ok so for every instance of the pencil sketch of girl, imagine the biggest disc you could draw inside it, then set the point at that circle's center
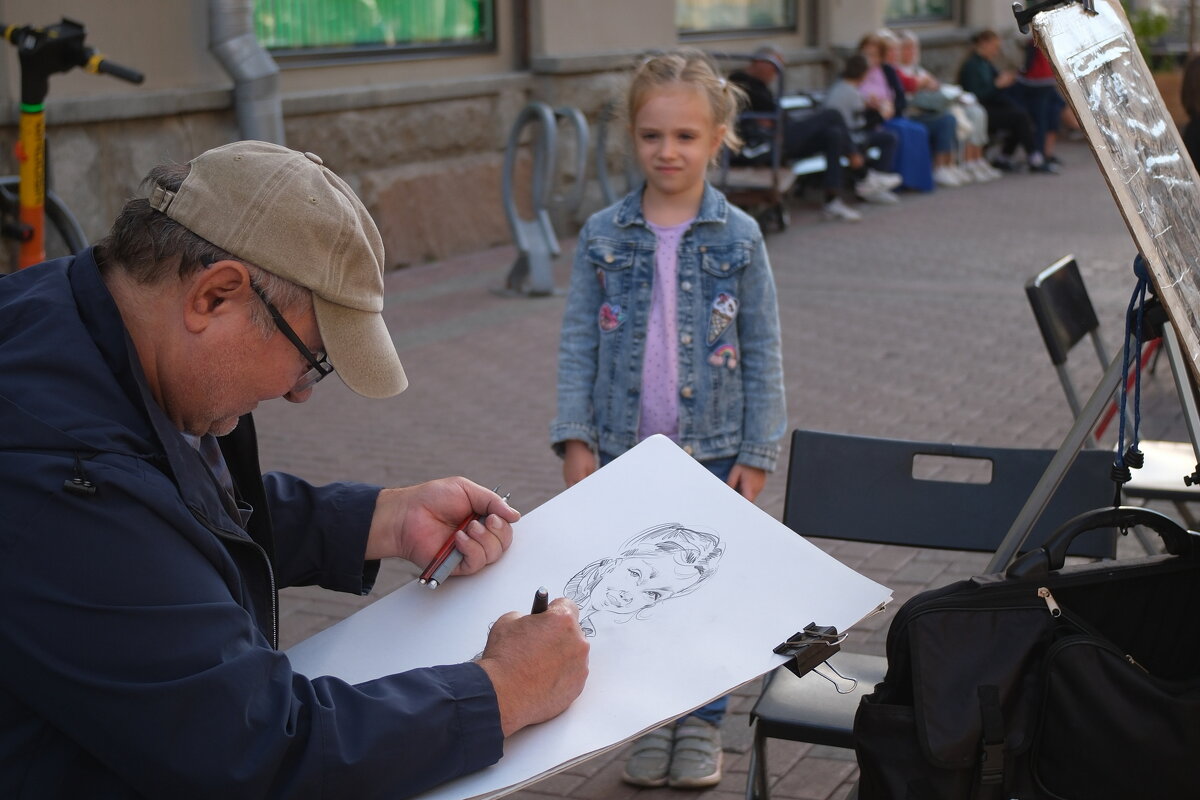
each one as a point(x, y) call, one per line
point(656, 565)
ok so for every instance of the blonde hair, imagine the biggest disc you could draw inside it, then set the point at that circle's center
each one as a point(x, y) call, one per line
point(696, 555)
point(689, 67)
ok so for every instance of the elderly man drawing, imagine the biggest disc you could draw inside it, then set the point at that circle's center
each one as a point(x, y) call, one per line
point(142, 549)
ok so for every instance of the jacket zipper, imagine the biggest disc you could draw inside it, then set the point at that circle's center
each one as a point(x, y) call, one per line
point(240, 540)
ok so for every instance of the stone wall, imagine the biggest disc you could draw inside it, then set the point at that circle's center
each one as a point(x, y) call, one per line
point(96, 167)
point(429, 172)
point(426, 160)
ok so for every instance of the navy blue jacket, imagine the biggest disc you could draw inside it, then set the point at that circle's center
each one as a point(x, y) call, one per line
point(138, 619)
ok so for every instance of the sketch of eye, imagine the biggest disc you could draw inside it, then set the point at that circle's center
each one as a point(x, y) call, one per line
point(612, 590)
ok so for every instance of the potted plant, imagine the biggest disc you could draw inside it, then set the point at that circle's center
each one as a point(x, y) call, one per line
point(1150, 25)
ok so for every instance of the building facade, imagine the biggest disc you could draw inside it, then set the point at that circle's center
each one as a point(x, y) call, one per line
point(416, 119)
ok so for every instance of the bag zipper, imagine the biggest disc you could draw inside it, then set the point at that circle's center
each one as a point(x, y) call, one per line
point(1019, 591)
point(1085, 628)
point(1051, 603)
point(1021, 598)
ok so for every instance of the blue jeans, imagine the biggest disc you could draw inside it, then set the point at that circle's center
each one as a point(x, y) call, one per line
point(886, 141)
point(943, 132)
point(1045, 106)
point(823, 131)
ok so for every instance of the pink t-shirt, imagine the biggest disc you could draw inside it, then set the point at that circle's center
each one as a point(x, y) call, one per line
point(875, 86)
point(660, 369)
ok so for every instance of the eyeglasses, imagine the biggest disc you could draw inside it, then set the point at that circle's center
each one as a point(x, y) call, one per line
point(319, 367)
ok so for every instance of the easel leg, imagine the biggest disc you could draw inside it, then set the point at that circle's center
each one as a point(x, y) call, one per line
point(1057, 470)
point(1185, 387)
point(1078, 436)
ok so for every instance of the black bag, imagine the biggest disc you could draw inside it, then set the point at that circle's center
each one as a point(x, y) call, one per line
point(1045, 682)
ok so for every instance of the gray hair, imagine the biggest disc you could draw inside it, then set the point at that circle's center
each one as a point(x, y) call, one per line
point(151, 247)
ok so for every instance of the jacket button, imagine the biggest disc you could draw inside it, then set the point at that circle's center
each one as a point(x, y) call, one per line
point(608, 258)
point(703, 248)
point(685, 338)
point(687, 448)
point(686, 391)
point(725, 268)
point(686, 286)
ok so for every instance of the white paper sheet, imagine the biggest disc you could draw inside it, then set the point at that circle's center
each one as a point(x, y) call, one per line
point(692, 646)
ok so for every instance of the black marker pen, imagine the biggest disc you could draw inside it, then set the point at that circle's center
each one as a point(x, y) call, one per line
point(541, 599)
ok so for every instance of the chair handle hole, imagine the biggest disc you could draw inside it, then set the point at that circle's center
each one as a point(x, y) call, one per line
point(951, 469)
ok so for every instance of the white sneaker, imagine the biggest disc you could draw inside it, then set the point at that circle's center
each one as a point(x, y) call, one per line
point(947, 176)
point(883, 180)
point(982, 170)
point(881, 197)
point(835, 209)
point(965, 175)
point(867, 187)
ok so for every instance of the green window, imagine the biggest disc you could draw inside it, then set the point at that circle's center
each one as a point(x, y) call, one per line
point(711, 16)
point(372, 26)
point(919, 10)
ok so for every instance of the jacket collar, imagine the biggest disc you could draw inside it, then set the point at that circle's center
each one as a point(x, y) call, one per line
point(99, 312)
point(713, 208)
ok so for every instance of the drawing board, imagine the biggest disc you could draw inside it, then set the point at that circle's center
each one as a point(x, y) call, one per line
point(1139, 149)
point(685, 588)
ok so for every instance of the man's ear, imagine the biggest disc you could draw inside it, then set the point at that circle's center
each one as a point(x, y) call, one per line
point(206, 300)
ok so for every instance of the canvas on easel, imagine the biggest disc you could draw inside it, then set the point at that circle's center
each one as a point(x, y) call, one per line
point(1139, 148)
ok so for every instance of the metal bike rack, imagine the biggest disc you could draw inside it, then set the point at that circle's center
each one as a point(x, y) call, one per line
point(536, 242)
point(574, 198)
point(611, 194)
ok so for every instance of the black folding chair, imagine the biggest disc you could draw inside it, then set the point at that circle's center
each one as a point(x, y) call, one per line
point(917, 494)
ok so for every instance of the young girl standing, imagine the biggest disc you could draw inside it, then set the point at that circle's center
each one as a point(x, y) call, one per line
point(671, 327)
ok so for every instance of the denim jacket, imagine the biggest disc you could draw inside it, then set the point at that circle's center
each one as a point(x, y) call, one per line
point(731, 397)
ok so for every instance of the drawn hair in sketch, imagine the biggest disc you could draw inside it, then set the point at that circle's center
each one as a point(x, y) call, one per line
point(656, 565)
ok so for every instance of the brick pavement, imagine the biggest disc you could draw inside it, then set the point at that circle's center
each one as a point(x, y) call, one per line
point(912, 324)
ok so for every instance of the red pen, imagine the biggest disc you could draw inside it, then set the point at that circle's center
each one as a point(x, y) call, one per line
point(447, 558)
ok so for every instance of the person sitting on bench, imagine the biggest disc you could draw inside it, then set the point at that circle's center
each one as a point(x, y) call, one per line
point(806, 133)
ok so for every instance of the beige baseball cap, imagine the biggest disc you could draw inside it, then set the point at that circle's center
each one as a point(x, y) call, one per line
point(287, 213)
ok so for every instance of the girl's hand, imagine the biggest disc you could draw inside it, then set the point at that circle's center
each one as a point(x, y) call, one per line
point(578, 462)
point(748, 481)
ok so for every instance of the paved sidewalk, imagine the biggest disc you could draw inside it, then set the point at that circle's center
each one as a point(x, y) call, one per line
point(912, 324)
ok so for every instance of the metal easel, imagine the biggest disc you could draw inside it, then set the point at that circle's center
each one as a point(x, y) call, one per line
point(1156, 321)
point(1086, 420)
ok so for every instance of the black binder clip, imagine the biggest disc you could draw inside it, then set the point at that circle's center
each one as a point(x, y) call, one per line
point(810, 647)
point(1025, 15)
